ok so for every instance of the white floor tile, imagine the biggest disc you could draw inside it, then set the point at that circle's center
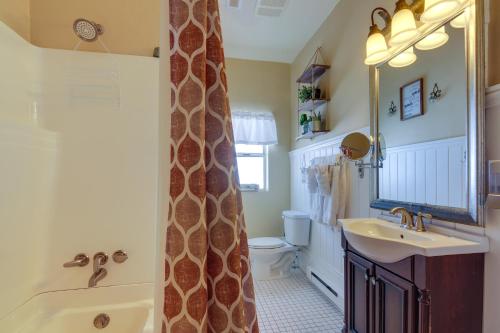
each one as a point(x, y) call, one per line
point(294, 305)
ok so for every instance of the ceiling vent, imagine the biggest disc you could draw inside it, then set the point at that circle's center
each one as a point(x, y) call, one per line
point(270, 8)
point(234, 4)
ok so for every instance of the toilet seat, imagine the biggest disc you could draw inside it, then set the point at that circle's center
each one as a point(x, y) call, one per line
point(266, 243)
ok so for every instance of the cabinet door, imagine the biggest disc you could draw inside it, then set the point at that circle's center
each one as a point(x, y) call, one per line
point(359, 311)
point(395, 303)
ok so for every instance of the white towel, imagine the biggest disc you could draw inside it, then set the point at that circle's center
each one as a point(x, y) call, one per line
point(324, 179)
point(312, 183)
point(316, 200)
point(336, 205)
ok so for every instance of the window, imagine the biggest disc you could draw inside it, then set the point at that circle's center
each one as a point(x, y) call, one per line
point(252, 166)
point(253, 132)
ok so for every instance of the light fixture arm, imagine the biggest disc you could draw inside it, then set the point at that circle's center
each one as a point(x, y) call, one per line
point(385, 15)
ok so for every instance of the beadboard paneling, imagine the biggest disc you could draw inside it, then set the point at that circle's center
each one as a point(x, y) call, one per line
point(324, 255)
point(432, 173)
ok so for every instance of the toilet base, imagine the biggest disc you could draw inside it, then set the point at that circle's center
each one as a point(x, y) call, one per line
point(265, 268)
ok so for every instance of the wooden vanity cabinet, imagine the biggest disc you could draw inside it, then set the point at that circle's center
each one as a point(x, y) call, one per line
point(416, 295)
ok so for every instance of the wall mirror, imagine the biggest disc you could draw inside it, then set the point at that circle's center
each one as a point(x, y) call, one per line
point(428, 105)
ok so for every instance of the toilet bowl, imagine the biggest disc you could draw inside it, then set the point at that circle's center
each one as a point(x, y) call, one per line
point(272, 257)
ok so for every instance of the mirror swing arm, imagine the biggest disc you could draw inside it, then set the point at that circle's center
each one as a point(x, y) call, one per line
point(374, 164)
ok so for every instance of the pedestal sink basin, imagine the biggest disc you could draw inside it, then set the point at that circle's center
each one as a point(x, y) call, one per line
point(387, 242)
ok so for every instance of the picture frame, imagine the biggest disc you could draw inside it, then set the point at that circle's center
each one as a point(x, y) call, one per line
point(412, 99)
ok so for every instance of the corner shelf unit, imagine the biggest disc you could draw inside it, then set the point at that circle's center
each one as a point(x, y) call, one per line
point(310, 77)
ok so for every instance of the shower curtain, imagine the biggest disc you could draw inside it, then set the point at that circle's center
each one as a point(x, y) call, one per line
point(208, 283)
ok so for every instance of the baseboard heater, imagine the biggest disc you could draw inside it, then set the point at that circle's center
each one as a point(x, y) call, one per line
point(330, 289)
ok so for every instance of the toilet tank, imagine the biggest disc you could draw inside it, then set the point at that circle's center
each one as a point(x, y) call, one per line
point(297, 226)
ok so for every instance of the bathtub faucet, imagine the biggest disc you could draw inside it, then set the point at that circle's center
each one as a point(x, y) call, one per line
point(100, 272)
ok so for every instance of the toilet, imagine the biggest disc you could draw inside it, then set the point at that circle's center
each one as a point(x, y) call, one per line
point(272, 257)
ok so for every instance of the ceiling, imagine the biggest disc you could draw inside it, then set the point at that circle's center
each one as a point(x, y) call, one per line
point(280, 39)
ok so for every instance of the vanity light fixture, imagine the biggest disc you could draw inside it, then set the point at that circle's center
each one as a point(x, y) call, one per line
point(405, 58)
point(376, 46)
point(461, 21)
point(434, 40)
point(404, 26)
point(436, 10)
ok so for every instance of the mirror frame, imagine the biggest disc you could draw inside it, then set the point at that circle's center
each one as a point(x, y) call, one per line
point(475, 62)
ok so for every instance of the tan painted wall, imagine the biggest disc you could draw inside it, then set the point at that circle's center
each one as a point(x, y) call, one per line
point(494, 43)
point(256, 85)
point(131, 26)
point(444, 119)
point(342, 39)
point(16, 14)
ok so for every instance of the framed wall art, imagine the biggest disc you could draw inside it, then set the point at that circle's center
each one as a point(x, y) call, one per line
point(412, 99)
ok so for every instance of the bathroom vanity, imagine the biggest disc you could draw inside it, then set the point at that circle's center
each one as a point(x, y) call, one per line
point(415, 295)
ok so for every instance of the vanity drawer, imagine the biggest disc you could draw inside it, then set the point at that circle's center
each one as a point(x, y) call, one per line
point(403, 268)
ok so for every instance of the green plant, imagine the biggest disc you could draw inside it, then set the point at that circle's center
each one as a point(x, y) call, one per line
point(305, 93)
point(304, 119)
point(316, 116)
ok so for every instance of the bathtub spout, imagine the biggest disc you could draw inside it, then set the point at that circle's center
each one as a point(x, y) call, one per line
point(97, 276)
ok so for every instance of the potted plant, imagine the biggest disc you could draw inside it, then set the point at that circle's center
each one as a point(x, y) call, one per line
point(305, 94)
point(304, 122)
point(316, 122)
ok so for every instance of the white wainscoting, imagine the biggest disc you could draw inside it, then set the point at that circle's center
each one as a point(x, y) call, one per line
point(433, 172)
point(324, 255)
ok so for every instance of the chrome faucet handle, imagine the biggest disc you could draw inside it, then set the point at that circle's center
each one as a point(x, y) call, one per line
point(80, 260)
point(420, 227)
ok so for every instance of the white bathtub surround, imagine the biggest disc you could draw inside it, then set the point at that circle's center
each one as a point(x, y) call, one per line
point(79, 167)
point(130, 309)
point(294, 305)
point(324, 255)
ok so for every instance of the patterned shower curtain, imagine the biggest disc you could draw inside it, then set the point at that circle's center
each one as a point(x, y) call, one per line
point(208, 283)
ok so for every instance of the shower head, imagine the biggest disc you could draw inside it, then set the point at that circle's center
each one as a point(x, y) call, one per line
point(86, 30)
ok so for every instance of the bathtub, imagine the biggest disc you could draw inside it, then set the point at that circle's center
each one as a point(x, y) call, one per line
point(129, 307)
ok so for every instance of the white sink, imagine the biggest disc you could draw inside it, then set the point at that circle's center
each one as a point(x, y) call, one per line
point(387, 242)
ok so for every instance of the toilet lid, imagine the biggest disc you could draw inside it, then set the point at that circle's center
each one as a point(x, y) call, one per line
point(266, 243)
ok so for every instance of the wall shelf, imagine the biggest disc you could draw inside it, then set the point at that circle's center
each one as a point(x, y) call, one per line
point(312, 73)
point(312, 104)
point(311, 135)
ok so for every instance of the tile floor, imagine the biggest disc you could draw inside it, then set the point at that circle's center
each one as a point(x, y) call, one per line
point(294, 305)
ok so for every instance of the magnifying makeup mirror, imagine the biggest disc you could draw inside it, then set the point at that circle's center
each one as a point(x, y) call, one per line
point(355, 146)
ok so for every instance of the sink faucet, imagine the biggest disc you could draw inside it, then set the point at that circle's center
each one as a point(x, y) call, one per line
point(420, 227)
point(406, 217)
point(100, 273)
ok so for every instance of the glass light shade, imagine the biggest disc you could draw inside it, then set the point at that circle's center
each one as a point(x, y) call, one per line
point(433, 41)
point(436, 10)
point(403, 27)
point(376, 49)
point(461, 21)
point(406, 58)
